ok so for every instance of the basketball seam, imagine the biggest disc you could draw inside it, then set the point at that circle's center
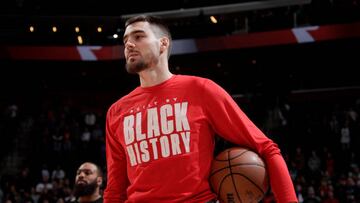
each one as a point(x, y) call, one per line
point(242, 164)
point(224, 178)
point(232, 179)
point(249, 179)
point(232, 157)
point(220, 185)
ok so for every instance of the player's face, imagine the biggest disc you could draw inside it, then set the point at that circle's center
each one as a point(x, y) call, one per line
point(142, 47)
point(87, 180)
point(85, 174)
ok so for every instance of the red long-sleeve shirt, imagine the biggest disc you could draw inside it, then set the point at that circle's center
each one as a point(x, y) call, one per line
point(160, 143)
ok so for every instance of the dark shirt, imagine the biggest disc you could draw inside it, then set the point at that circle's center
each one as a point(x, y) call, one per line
point(100, 200)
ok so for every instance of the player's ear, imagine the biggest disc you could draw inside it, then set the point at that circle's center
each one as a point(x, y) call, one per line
point(99, 181)
point(164, 44)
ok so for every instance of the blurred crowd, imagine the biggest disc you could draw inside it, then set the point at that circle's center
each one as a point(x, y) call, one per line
point(318, 142)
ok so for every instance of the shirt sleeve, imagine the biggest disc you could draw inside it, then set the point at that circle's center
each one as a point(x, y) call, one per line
point(117, 181)
point(231, 123)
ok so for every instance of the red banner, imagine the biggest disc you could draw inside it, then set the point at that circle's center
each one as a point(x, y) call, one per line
point(307, 34)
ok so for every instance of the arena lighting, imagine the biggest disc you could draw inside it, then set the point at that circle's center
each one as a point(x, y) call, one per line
point(222, 9)
point(54, 29)
point(80, 39)
point(213, 19)
point(31, 28)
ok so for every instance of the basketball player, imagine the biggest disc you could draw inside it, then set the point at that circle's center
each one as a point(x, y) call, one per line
point(88, 181)
point(160, 137)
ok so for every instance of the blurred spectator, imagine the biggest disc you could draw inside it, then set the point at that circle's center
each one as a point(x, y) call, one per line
point(45, 185)
point(13, 110)
point(345, 137)
point(88, 183)
point(299, 192)
point(330, 198)
point(90, 119)
point(58, 173)
point(311, 197)
point(299, 159)
point(314, 164)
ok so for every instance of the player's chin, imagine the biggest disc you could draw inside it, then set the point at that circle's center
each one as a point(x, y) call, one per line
point(131, 64)
point(132, 68)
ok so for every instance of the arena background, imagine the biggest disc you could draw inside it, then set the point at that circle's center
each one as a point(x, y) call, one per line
point(305, 95)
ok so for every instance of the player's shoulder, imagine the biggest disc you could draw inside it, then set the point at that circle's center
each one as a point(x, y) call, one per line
point(116, 106)
point(191, 79)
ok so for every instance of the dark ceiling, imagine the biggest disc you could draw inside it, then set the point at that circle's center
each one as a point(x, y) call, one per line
point(17, 15)
point(101, 7)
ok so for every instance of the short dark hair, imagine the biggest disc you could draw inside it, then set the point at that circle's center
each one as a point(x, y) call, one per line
point(99, 170)
point(153, 20)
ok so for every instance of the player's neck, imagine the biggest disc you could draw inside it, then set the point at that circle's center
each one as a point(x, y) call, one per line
point(90, 198)
point(155, 76)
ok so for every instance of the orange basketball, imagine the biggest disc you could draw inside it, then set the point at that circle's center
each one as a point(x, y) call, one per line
point(239, 175)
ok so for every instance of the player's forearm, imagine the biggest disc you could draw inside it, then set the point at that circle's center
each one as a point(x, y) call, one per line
point(280, 180)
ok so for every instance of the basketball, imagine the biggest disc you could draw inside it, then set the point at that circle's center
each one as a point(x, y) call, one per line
point(239, 175)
